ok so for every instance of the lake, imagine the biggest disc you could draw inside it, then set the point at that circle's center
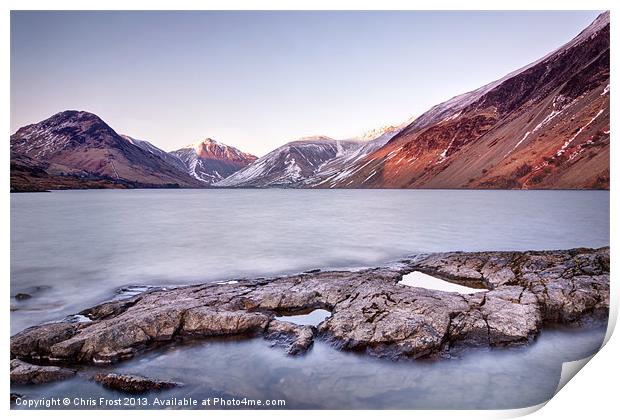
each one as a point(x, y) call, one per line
point(73, 249)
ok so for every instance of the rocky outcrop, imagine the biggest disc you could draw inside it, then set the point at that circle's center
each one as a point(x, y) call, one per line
point(15, 397)
point(370, 310)
point(568, 285)
point(28, 374)
point(297, 339)
point(133, 384)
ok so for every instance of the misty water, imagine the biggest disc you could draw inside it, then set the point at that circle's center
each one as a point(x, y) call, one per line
point(73, 249)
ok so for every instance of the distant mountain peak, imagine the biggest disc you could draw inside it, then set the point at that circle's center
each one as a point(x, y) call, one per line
point(377, 132)
point(599, 23)
point(198, 145)
point(213, 149)
point(210, 161)
point(314, 138)
point(290, 163)
point(72, 113)
point(73, 145)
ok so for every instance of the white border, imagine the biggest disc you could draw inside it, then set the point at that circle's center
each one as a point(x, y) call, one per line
point(592, 395)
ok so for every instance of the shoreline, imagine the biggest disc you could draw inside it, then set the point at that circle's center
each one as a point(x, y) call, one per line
point(213, 188)
point(370, 312)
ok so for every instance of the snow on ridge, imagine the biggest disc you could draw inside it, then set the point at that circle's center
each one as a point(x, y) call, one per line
point(442, 110)
point(568, 142)
point(606, 90)
point(304, 148)
point(559, 106)
point(444, 155)
point(292, 171)
point(376, 133)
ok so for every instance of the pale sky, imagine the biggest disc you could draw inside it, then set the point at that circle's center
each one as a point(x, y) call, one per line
point(255, 80)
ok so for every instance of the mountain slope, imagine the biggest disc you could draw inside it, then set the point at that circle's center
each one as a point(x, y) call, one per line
point(343, 165)
point(543, 126)
point(76, 148)
point(290, 164)
point(151, 148)
point(210, 161)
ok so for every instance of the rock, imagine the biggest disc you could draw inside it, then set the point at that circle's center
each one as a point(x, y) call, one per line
point(26, 373)
point(206, 322)
point(297, 339)
point(568, 285)
point(15, 397)
point(371, 312)
point(29, 292)
point(512, 314)
point(34, 342)
point(133, 384)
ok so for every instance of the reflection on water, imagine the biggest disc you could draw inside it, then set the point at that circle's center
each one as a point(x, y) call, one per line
point(82, 245)
point(328, 378)
point(419, 279)
point(314, 317)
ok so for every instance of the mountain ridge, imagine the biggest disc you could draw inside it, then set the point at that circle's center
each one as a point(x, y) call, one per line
point(543, 126)
point(211, 161)
point(77, 149)
point(72, 146)
point(507, 134)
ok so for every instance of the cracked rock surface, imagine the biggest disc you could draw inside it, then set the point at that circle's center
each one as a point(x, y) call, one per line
point(371, 312)
point(133, 384)
point(26, 373)
point(297, 339)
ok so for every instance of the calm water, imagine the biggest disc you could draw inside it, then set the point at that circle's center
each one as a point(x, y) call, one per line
point(73, 249)
point(327, 378)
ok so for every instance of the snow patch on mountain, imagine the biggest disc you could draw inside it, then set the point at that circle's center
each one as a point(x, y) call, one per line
point(210, 161)
point(291, 163)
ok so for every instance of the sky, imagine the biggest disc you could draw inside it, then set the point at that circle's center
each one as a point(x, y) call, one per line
point(256, 80)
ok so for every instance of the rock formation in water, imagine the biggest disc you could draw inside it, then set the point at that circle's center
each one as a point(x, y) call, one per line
point(29, 374)
point(133, 384)
point(370, 311)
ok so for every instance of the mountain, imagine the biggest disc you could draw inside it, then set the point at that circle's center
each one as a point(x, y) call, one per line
point(342, 166)
point(291, 164)
point(76, 149)
point(543, 126)
point(210, 161)
point(151, 148)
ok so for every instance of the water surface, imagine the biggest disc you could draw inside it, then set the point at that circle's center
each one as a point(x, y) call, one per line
point(330, 379)
point(73, 249)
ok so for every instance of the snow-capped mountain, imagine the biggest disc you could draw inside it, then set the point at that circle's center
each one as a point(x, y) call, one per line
point(291, 164)
point(210, 161)
point(76, 149)
point(340, 166)
point(543, 126)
